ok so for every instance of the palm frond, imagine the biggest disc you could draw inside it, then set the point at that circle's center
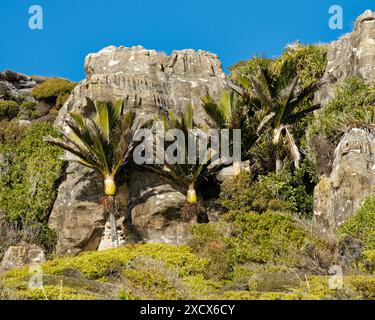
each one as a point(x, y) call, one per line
point(103, 118)
point(292, 147)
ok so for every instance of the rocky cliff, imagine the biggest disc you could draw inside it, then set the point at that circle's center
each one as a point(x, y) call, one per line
point(339, 194)
point(150, 83)
point(353, 55)
point(352, 178)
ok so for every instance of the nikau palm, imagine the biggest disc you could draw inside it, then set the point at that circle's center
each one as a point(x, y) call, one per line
point(184, 174)
point(232, 112)
point(282, 100)
point(103, 144)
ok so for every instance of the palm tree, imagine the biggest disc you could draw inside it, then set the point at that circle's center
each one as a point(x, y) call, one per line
point(284, 101)
point(103, 144)
point(186, 175)
point(234, 110)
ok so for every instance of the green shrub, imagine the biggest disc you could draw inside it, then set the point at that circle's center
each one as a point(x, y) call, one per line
point(275, 192)
point(352, 106)
point(28, 111)
point(150, 271)
point(8, 109)
point(274, 238)
point(11, 132)
point(207, 240)
point(54, 91)
point(362, 225)
point(311, 62)
point(29, 171)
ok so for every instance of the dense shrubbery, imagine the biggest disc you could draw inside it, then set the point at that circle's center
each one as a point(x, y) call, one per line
point(54, 91)
point(28, 111)
point(28, 173)
point(362, 225)
point(352, 106)
point(311, 60)
point(8, 110)
point(277, 192)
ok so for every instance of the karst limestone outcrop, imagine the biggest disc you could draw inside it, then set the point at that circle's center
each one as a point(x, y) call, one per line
point(149, 82)
point(352, 178)
point(353, 55)
point(339, 194)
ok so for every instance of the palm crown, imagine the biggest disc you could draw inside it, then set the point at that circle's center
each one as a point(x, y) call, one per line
point(184, 173)
point(282, 101)
point(103, 143)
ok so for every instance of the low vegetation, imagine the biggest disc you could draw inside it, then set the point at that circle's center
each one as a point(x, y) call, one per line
point(29, 171)
point(54, 91)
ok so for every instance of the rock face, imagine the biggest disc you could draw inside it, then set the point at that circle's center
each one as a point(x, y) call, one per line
point(19, 256)
point(77, 215)
point(150, 83)
point(16, 84)
point(353, 55)
point(341, 192)
point(338, 196)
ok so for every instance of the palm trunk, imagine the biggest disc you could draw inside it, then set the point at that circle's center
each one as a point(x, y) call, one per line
point(115, 240)
point(237, 167)
point(110, 207)
point(191, 195)
point(279, 162)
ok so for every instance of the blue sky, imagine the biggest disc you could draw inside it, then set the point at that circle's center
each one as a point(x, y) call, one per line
point(235, 29)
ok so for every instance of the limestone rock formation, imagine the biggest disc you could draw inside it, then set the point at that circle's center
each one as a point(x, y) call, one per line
point(353, 55)
point(77, 215)
point(16, 84)
point(18, 256)
point(338, 196)
point(149, 82)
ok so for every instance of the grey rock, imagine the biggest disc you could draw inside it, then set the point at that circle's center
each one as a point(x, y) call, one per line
point(18, 256)
point(338, 196)
point(353, 55)
point(77, 215)
point(150, 83)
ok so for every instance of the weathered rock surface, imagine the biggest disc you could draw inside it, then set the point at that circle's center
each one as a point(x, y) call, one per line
point(353, 55)
point(338, 196)
point(77, 215)
point(150, 83)
point(18, 256)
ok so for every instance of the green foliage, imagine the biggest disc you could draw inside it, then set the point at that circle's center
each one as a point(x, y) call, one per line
point(28, 174)
point(311, 63)
point(28, 111)
point(352, 106)
point(99, 265)
point(160, 271)
point(8, 109)
point(208, 241)
point(275, 191)
point(54, 91)
point(362, 225)
point(11, 132)
point(103, 143)
point(151, 271)
point(271, 237)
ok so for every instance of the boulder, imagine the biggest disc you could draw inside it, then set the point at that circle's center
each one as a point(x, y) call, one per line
point(77, 215)
point(353, 55)
point(338, 196)
point(150, 83)
point(18, 256)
